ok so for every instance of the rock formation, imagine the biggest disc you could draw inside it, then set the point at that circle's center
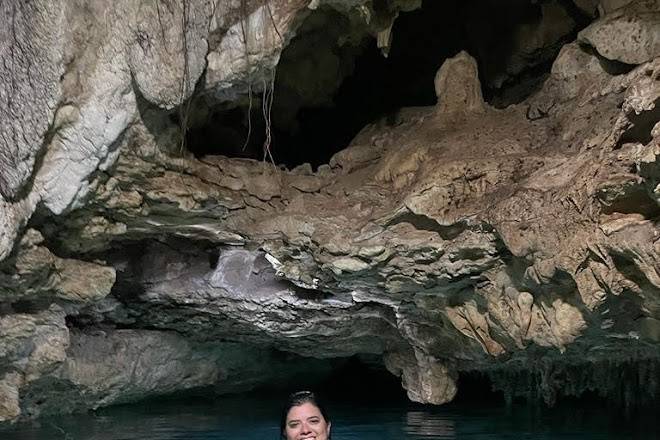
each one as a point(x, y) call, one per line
point(519, 242)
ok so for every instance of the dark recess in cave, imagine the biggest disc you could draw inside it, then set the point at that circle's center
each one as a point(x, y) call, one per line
point(311, 128)
point(476, 387)
point(641, 125)
point(360, 381)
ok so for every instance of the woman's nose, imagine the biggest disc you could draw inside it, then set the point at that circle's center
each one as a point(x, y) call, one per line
point(305, 428)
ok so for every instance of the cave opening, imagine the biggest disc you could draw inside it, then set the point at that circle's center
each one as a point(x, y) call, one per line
point(333, 79)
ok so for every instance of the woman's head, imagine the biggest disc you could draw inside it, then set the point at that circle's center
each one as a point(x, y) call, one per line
point(304, 417)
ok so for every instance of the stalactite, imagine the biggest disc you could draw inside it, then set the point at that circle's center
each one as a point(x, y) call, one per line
point(629, 383)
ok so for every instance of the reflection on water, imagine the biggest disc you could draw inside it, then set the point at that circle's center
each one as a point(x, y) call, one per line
point(428, 425)
point(256, 418)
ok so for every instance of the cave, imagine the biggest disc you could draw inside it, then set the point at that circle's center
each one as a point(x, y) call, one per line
point(332, 79)
point(441, 216)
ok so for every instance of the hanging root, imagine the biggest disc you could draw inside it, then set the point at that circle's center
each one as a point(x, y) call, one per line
point(184, 108)
point(266, 107)
point(244, 33)
point(269, 90)
point(268, 82)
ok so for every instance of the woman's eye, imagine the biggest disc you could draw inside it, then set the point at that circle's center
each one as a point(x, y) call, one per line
point(314, 421)
point(293, 424)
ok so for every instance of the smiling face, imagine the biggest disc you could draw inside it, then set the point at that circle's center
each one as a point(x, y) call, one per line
point(305, 421)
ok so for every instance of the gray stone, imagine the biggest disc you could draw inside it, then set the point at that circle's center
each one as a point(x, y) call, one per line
point(164, 71)
point(9, 397)
point(32, 42)
point(630, 34)
point(39, 275)
point(34, 344)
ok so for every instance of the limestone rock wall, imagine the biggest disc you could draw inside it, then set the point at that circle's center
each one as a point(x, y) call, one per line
point(32, 38)
point(461, 238)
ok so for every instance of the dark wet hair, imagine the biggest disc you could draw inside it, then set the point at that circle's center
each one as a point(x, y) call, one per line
point(296, 399)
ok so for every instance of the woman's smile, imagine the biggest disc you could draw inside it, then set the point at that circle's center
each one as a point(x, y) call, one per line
point(305, 422)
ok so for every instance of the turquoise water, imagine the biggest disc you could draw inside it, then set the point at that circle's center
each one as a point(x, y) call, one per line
point(256, 418)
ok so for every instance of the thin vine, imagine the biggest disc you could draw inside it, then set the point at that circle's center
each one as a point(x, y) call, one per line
point(244, 24)
point(267, 83)
point(269, 90)
point(184, 108)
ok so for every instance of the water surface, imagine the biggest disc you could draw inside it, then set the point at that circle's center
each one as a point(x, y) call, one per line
point(257, 418)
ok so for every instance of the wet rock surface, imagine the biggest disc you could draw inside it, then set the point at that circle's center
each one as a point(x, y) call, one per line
point(458, 238)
